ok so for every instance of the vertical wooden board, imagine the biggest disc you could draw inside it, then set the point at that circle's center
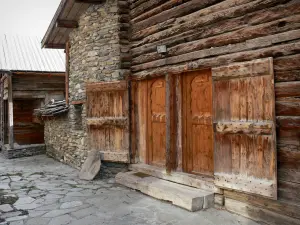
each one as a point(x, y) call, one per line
point(250, 99)
point(253, 150)
point(236, 153)
point(170, 122)
point(222, 100)
point(142, 117)
point(235, 100)
point(269, 98)
point(258, 94)
point(179, 138)
point(197, 120)
point(157, 121)
point(243, 89)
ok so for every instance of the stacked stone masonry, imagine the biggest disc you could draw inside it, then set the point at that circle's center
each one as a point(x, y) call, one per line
point(95, 55)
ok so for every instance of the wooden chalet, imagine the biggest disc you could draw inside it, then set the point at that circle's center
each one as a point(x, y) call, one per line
point(208, 96)
point(30, 77)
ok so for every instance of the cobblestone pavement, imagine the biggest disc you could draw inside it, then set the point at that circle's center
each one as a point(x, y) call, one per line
point(39, 190)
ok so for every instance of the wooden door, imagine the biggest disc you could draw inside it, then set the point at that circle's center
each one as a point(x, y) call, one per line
point(244, 124)
point(107, 120)
point(156, 134)
point(197, 123)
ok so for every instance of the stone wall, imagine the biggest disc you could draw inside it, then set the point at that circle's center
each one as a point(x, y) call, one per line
point(23, 151)
point(95, 55)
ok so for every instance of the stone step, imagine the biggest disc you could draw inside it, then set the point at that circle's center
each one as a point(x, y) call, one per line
point(201, 182)
point(189, 198)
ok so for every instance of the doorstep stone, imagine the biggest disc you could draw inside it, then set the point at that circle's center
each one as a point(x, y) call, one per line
point(189, 198)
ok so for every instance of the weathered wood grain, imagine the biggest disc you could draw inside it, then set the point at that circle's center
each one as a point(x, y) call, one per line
point(175, 12)
point(232, 37)
point(281, 207)
point(182, 25)
point(262, 42)
point(287, 89)
point(277, 50)
point(170, 123)
point(106, 86)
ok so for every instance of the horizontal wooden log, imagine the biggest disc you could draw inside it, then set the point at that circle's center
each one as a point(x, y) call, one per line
point(287, 138)
point(287, 75)
point(150, 13)
point(90, 1)
point(29, 94)
point(287, 62)
point(67, 23)
point(175, 12)
point(280, 207)
point(288, 122)
point(289, 165)
point(238, 36)
point(243, 128)
point(115, 156)
point(56, 46)
point(107, 121)
point(288, 107)
point(222, 26)
point(106, 86)
point(184, 19)
point(135, 3)
point(278, 50)
point(287, 89)
point(261, 42)
point(246, 184)
point(134, 12)
point(258, 67)
point(258, 214)
point(289, 191)
point(183, 24)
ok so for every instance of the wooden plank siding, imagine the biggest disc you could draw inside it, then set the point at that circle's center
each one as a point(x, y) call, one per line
point(218, 33)
point(31, 91)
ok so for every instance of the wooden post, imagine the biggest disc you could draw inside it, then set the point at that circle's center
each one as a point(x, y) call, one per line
point(170, 123)
point(67, 71)
point(179, 132)
point(2, 114)
point(10, 113)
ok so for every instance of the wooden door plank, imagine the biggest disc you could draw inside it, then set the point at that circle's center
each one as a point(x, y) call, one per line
point(170, 123)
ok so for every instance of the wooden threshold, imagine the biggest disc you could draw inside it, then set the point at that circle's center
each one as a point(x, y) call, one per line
point(201, 182)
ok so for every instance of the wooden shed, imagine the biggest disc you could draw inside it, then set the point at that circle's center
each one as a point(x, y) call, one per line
point(209, 99)
point(30, 77)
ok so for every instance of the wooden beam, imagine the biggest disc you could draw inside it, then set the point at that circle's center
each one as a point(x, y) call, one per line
point(49, 74)
point(67, 24)
point(10, 113)
point(90, 1)
point(67, 72)
point(57, 46)
point(170, 123)
point(107, 86)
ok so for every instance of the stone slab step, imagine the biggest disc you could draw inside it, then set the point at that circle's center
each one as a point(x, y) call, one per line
point(201, 182)
point(189, 198)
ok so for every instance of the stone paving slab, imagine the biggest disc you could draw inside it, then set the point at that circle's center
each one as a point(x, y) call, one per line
point(41, 191)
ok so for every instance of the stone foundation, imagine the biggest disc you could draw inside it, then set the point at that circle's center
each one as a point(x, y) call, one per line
point(23, 151)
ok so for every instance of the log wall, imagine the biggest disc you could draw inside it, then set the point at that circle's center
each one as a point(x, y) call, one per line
point(208, 33)
point(31, 91)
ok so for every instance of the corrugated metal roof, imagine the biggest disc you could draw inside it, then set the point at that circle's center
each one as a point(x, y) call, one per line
point(19, 53)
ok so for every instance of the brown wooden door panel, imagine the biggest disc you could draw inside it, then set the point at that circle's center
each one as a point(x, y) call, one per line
point(157, 122)
point(107, 120)
point(197, 123)
point(244, 125)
